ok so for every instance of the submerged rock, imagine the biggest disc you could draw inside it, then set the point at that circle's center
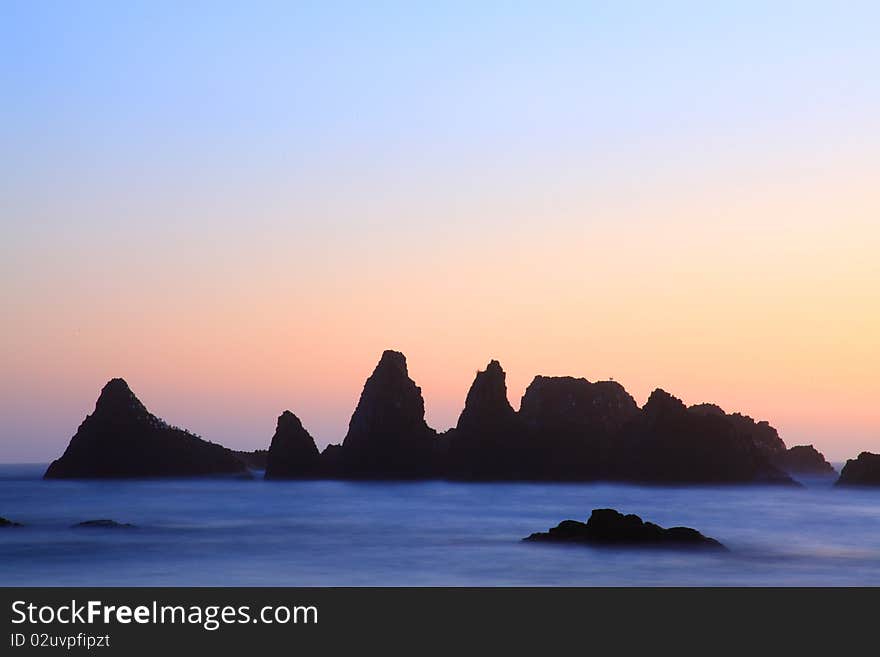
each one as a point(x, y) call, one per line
point(102, 524)
point(292, 453)
point(862, 471)
point(4, 522)
point(121, 438)
point(610, 527)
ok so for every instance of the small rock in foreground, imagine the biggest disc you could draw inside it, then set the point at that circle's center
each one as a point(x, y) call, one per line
point(609, 527)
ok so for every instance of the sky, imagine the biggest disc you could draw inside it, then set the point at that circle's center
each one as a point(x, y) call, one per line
point(237, 206)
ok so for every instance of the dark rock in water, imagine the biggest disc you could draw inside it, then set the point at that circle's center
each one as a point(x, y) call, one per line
point(330, 461)
point(486, 406)
point(102, 524)
point(489, 441)
point(572, 423)
point(762, 436)
point(572, 429)
point(862, 471)
point(387, 435)
point(804, 460)
point(121, 438)
point(669, 443)
point(609, 527)
point(292, 453)
point(256, 460)
point(8, 523)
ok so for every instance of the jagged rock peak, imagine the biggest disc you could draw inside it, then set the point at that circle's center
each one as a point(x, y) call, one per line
point(661, 402)
point(288, 420)
point(707, 409)
point(393, 359)
point(116, 384)
point(292, 452)
point(487, 397)
point(123, 439)
point(391, 370)
point(494, 368)
point(390, 412)
point(861, 471)
point(117, 395)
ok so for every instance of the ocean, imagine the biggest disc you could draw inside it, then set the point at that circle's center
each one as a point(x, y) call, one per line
point(231, 532)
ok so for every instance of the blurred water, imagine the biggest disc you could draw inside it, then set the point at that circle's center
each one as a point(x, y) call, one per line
point(225, 532)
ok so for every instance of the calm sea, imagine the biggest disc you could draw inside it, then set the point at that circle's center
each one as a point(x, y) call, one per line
point(219, 532)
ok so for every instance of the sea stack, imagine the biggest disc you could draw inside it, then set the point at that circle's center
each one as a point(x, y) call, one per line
point(489, 441)
point(804, 460)
point(572, 424)
point(388, 437)
point(292, 453)
point(671, 443)
point(862, 471)
point(122, 439)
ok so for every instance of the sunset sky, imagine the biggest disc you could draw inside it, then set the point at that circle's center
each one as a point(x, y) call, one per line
point(238, 207)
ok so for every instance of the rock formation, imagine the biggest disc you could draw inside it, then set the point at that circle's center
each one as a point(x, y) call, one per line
point(8, 523)
point(567, 429)
point(387, 435)
point(292, 453)
point(330, 462)
point(572, 424)
point(121, 438)
point(607, 527)
point(862, 471)
point(667, 442)
point(803, 460)
point(255, 460)
point(104, 523)
point(764, 437)
point(489, 441)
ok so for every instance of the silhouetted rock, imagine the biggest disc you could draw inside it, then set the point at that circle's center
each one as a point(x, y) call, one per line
point(387, 435)
point(669, 443)
point(566, 429)
point(486, 406)
point(8, 523)
point(804, 460)
point(256, 460)
point(862, 471)
point(571, 424)
point(330, 462)
point(489, 441)
point(121, 438)
point(292, 453)
point(607, 527)
point(764, 437)
point(102, 524)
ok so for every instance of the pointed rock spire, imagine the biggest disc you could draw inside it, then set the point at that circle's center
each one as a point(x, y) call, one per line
point(292, 452)
point(486, 403)
point(121, 438)
point(387, 435)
